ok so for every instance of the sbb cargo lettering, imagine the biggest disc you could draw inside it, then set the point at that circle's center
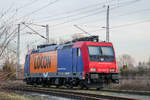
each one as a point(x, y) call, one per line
point(42, 62)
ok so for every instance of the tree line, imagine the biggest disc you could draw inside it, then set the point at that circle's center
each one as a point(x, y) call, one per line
point(127, 67)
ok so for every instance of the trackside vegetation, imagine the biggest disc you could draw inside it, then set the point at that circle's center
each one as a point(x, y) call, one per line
point(14, 96)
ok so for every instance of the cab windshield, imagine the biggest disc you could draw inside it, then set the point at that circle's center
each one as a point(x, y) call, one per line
point(101, 53)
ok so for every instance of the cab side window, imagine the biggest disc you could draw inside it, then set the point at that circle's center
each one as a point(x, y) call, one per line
point(78, 52)
point(26, 58)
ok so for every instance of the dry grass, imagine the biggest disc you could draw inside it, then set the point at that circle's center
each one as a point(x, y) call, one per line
point(134, 84)
point(14, 96)
point(7, 81)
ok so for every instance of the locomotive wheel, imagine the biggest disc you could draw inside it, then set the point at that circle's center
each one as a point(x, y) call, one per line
point(48, 85)
point(43, 85)
point(99, 88)
point(86, 88)
point(57, 86)
point(34, 85)
point(69, 86)
point(81, 85)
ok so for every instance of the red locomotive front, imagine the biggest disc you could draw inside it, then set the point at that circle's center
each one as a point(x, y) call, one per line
point(99, 62)
point(101, 58)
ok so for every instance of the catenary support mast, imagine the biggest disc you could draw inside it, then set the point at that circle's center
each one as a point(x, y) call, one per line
point(47, 34)
point(107, 25)
point(18, 53)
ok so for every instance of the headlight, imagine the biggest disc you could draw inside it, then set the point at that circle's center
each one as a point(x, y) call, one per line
point(112, 70)
point(93, 69)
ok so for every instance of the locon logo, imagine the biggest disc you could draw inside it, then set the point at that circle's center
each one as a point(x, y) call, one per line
point(42, 62)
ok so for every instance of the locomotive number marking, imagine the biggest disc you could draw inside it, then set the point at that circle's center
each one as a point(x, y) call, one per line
point(42, 62)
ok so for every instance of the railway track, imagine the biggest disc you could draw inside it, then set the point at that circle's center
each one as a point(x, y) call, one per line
point(145, 93)
point(70, 94)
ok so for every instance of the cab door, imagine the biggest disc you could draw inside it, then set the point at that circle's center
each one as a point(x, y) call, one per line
point(74, 59)
point(77, 60)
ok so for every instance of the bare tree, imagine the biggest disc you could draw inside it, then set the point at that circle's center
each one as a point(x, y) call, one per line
point(7, 34)
point(126, 60)
point(148, 63)
point(7, 31)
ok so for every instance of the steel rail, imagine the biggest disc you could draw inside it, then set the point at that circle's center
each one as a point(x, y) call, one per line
point(71, 94)
point(147, 93)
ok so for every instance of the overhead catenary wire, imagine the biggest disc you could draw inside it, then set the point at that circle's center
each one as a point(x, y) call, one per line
point(33, 12)
point(133, 23)
point(82, 10)
point(28, 4)
point(123, 14)
point(16, 10)
point(20, 19)
point(82, 30)
point(134, 0)
point(124, 25)
point(23, 6)
point(95, 13)
point(11, 19)
point(34, 31)
point(79, 18)
point(36, 24)
point(85, 11)
point(72, 15)
point(37, 10)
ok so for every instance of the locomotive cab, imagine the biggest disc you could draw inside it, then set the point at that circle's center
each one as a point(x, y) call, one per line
point(99, 63)
point(102, 64)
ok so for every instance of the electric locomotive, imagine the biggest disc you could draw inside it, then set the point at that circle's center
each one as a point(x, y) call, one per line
point(83, 62)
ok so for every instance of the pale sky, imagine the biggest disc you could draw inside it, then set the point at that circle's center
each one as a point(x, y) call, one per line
point(129, 22)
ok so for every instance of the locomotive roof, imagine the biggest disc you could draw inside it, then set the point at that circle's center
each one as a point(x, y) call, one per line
point(51, 48)
point(73, 45)
point(78, 43)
